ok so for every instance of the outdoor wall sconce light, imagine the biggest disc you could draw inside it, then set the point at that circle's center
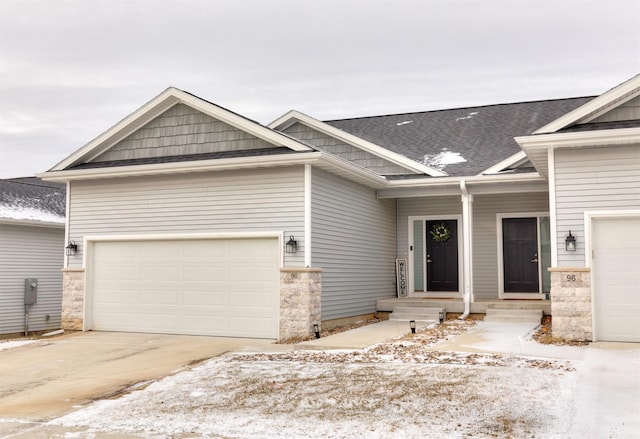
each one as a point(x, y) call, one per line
point(441, 315)
point(412, 325)
point(570, 242)
point(72, 248)
point(316, 329)
point(291, 246)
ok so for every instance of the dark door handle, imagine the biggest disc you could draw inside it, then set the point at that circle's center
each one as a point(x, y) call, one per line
point(535, 258)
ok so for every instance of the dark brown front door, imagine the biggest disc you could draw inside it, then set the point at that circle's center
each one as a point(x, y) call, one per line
point(520, 255)
point(442, 255)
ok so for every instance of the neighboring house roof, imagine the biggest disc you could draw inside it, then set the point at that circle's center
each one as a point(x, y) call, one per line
point(461, 141)
point(31, 199)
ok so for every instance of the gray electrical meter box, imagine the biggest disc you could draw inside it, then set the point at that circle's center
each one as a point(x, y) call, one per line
point(30, 291)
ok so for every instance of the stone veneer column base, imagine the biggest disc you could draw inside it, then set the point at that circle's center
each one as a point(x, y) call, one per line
point(571, 303)
point(72, 298)
point(300, 290)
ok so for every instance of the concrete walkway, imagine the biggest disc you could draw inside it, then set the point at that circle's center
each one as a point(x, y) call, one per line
point(362, 337)
point(48, 378)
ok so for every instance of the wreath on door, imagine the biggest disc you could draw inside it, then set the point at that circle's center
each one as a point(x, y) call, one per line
point(440, 232)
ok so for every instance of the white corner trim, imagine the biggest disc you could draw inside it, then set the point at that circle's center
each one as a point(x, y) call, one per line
point(398, 159)
point(596, 107)
point(551, 160)
point(308, 174)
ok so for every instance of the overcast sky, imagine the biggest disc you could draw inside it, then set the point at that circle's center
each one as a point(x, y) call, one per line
point(69, 70)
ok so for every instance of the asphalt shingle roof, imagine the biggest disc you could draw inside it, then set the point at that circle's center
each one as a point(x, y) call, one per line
point(30, 198)
point(461, 141)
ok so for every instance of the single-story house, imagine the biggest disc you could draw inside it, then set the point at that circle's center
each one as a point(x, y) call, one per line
point(192, 219)
point(32, 228)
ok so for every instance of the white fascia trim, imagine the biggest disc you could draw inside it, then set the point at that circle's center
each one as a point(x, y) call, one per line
point(477, 179)
point(165, 100)
point(580, 139)
point(506, 163)
point(32, 223)
point(181, 167)
point(398, 159)
point(597, 106)
point(371, 177)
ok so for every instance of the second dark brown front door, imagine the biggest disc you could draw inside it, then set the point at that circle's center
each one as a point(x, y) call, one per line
point(520, 254)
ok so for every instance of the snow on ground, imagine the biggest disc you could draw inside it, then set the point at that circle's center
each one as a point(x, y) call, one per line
point(397, 389)
point(10, 344)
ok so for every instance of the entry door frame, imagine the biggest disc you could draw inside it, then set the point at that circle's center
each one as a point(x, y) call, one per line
point(501, 293)
point(461, 268)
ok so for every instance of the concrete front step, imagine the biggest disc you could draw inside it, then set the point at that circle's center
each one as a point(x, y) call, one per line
point(416, 313)
point(513, 315)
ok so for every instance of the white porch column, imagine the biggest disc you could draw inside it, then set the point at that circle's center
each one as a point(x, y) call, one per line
point(467, 244)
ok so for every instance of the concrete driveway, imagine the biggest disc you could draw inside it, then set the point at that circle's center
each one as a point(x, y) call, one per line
point(46, 379)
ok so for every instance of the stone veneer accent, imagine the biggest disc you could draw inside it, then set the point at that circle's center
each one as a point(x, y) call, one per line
point(571, 303)
point(72, 298)
point(299, 301)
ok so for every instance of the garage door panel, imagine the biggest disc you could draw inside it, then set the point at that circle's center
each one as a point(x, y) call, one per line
point(204, 299)
point(226, 287)
point(616, 276)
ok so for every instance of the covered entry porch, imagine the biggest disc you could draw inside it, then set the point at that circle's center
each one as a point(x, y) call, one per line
point(456, 305)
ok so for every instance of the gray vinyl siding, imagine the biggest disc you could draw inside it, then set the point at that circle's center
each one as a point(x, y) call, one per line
point(178, 131)
point(343, 150)
point(630, 110)
point(485, 237)
point(258, 200)
point(30, 252)
point(353, 235)
point(592, 179)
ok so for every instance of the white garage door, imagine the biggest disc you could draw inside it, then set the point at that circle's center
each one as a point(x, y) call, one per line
point(220, 287)
point(616, 276)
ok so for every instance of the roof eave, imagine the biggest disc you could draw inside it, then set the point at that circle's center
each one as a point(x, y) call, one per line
point(596, 107)
point(537, 146)
point(33, 223)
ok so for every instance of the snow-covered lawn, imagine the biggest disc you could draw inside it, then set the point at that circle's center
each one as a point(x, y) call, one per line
point(397, 389)
point(10, 344)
